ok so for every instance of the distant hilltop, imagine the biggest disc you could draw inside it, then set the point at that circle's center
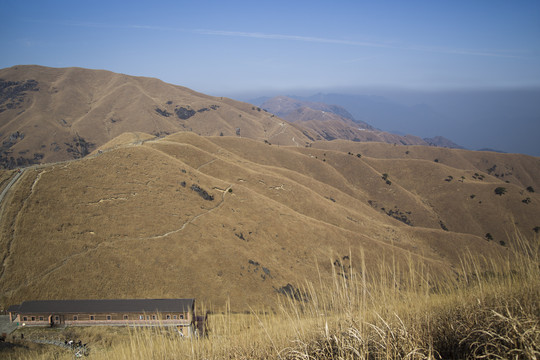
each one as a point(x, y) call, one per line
point(332, 122)
point(52, 114)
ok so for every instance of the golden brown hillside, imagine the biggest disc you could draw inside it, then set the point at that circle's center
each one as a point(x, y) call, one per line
point(51, 114)
point(219, 218)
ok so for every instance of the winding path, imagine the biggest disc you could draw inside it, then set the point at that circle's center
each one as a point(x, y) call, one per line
point(10, 184)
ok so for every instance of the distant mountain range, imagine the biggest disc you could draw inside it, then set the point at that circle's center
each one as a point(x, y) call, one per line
point(505, 119)
point(332, 122)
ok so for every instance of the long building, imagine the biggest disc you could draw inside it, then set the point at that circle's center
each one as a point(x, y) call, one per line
point(179, 313)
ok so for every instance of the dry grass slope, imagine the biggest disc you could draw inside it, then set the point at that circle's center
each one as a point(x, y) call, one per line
point(44, 121)
point(135, 211)
point(487, 309)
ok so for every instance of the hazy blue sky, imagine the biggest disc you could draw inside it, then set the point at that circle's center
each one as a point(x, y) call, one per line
point(244, 49)
point(235, 46)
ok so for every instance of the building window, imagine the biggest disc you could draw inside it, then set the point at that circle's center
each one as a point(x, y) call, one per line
point(181, 316)
point(75, 318)
point(125, 317)
point(141, 317)
point(175, 317)
point(41, 318)
point(92, 317)
point(25, 318)
point(109, 317)
point(33, 318)
point(147, 317)
point(168, 317)
point(57, 318)
point(153, 317)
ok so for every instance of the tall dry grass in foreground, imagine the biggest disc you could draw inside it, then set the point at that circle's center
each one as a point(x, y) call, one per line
point(488, 308)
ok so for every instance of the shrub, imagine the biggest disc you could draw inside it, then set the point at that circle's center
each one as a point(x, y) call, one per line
point(184, 113)
point(162, 112)
point(79, 148)
point(202, 192)
point(443, 225)
point(500, 190)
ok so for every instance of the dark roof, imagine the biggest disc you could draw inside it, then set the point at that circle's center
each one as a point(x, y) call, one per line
point(13, 308)
point(106, 306)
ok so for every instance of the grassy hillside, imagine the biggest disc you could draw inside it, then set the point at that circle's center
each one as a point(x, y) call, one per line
point(233, 220)
point(486, 308)
point(52, 114)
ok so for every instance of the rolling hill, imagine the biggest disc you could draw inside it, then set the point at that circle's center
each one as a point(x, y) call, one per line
point(50, 114)
point(233, 219)
point(227, 219)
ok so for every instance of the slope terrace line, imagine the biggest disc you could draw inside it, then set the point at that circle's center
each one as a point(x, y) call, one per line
point(414, 196)
point(391, 245)
point(190, 220)
point(36, 180)
point(281, 131)
point(206, 163)
point(14, 229)
point(63, 262)
point(346, 182)
point(270, 171)
point(66, 259)
point(285, 173)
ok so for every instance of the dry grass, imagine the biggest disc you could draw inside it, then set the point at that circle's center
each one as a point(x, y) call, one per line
point(92, 226)
point(488, 308)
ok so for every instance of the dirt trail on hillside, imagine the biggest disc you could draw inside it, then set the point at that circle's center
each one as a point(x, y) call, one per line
point(193, 218)
point(9, 185)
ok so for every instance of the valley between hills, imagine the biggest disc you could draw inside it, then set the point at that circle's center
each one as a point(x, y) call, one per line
point(134, 188)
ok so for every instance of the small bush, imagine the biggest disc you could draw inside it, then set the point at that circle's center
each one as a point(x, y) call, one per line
point(184, 113)
point(202, 192)
point(443, 226)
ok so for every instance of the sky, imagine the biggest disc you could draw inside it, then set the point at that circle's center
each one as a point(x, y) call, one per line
point(236, 48)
